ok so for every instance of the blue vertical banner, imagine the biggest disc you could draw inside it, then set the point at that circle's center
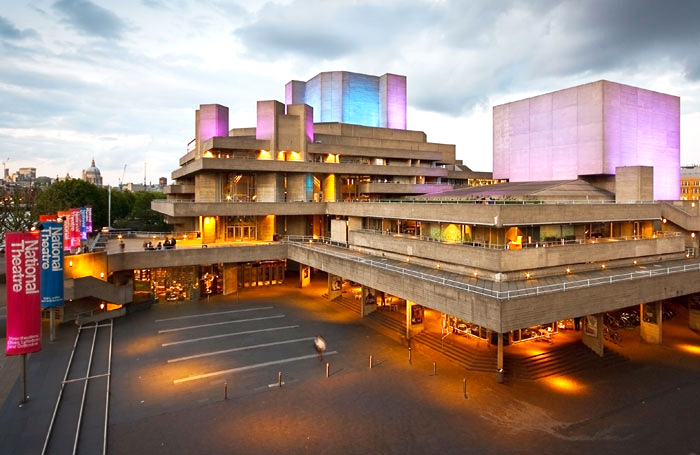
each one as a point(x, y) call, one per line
point(88, 219)
point(51, 264)
point(83, 223)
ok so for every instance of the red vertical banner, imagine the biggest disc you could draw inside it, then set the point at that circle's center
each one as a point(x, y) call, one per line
point(65, 215)
point(75, 228)
point(23, 270)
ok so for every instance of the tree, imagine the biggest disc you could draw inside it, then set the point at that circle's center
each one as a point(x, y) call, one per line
point(17, 206)
point(72, 194)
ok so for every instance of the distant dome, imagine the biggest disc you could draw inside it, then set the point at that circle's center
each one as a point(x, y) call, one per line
point(92, 174)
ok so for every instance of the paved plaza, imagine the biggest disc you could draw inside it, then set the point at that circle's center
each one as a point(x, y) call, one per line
point(171, 365)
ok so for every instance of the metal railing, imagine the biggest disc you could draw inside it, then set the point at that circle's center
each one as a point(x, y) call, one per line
point(308, 243)
point(545, 244)
point(447, 201)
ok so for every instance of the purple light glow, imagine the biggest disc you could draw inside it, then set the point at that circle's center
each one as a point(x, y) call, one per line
point(589, 130)
point(392, 89)
point(267, 117)
point(309, 127)
point(213, 121)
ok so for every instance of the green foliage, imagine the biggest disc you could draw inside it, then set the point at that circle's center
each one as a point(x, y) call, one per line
point(74, 193)
point(129, 210)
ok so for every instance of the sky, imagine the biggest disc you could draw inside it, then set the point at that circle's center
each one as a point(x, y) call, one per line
point(120, 80)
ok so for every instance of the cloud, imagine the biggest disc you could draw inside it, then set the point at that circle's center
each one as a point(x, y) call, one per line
point(90, 19)
point(474, 48)
point(9, 31)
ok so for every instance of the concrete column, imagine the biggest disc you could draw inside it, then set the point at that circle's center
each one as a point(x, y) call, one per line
point(269, 187)
point(369, 301)
point(300, 187)
point(499, 353)
point(592, 333)
point(650, 323)
point(230, 278)
point(266, 227)
point(335, 286)
point(304, 275)
point(331, 188)
point(414, 319)
point(694, 312)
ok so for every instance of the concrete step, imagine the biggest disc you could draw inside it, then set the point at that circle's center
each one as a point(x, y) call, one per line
point(469, 359)
point(349, 304)
point(99, 316)
point(567, 359)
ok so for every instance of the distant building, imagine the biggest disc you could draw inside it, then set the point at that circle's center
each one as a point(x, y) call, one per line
point(690, 183)
point(92, 174)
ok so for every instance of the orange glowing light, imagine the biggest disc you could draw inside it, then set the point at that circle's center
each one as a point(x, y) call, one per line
point(692, 235)
point(568, 270)
point(689, 348)
point(102, 306)
point(528, 275)
point(635, 262)
point(70, 263)
point(663, 220)
point(602, 266)
point(565, 385)
point(476, 274)
point(208, 154)
point(102, 274)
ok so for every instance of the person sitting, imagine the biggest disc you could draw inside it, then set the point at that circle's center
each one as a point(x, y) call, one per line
point(173, 242)
point(167, 243)
point(159, 246)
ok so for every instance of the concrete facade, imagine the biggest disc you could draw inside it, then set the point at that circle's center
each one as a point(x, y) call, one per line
point(586, 130)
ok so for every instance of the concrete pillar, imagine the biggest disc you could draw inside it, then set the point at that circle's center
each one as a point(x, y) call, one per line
point(369, 301)
point(414, 319)
point(266, 227)
point(269, 187)
point(230, 278)
point(304, 275)
point(694, 312)
point(300, 187)
point(335, 286)
point(331, 188)
point(592, 334)
point(499, 353)
point(650, 323)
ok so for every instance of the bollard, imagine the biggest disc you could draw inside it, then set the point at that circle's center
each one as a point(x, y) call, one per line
point(370, 362)
point(464, 387)
point(279, 379)
point(328, 370)
point(434, 369)
point(225, 390)
point(409, 354)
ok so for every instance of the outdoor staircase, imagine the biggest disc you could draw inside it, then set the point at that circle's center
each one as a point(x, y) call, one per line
point(469, 359)
point(348, 304)
point(560, 360)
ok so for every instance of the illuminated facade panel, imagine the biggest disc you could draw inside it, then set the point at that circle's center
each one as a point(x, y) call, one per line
point(360, 99)
point(589, 130)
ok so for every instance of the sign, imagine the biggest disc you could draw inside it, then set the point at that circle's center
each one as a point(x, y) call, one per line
point(66, 229)
point(88, 219)
point(74, 228)
point(83, 223)
point(23, 262)
point(51, 264)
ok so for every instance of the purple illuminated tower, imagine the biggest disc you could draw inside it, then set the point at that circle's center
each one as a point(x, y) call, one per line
point(589, 130)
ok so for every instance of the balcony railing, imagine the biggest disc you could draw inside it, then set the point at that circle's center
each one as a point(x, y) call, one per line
point(547, 244)
point(309, 242)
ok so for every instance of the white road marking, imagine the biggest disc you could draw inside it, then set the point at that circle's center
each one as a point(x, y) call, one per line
point(219, 323)
point(214, 314)
point(244, 348)
point(249, 367)
point(192, 340)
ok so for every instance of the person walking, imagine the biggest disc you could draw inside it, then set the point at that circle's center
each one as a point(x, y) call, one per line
point(320, 346)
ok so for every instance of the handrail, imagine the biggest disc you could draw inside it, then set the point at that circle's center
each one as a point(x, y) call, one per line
point(435, 201)
point(546, 244)
point(308, 242)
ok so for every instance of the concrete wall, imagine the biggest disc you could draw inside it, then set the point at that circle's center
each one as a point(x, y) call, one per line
point(131, 260)
point(80, 288)
point(504, 261)
point(206, 188)
point(592, 333)
point(590, 129)
point(339, 230)
point(300, 187)
point(634, 183)
point(651, 322)
point(82, 265)
point(269, 187)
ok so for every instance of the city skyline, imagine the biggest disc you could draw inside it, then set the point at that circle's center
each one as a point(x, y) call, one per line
point(120, 82)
